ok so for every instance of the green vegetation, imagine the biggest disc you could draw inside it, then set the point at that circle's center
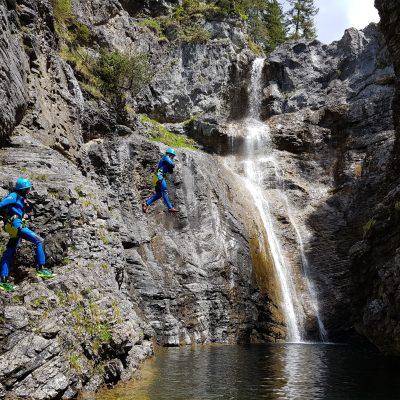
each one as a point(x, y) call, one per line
point(82, 63)
point(78, 190)
point(368, 226)
point(129, 109)
point(104, 266)
point(74, 297)
point(105, 334)
point(90, 321)
point(120, 73)
point(91, 265)
point(194, 34)
point(59, 195)
point(17, 299)
point(184, 23)
point(116, 311)
point(39, 301)
point(86, 292)
point(61, 296)
point(163, 135)
point(301, 19)
point(39, 177)
point(74, 361)
point(103, 236)
point(73, 32)
point(66, 261)
point(108, 76)
point(154, 25)
point(254, 47)
point(265, 21)
point(87, 203)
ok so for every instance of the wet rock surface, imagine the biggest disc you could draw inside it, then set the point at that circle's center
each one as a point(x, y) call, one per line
point(375, 259)
point(126, 280)
point(329, 111)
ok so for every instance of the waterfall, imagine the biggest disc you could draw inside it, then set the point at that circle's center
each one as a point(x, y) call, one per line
point(259, 170)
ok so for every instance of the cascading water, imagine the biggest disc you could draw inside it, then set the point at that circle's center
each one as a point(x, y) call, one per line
point(259, 169)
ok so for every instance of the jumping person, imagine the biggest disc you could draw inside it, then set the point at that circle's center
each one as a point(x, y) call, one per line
point(12, 208)
point(165, 165)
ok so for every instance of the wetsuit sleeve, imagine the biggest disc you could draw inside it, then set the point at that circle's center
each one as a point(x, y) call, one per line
point(10, 199)
point(170, 164)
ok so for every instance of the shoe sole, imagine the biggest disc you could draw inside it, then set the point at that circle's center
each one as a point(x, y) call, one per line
point(46, 277)
point(7, 290)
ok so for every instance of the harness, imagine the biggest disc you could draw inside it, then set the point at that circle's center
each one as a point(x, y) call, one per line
point(157, 176)
point(10, 228)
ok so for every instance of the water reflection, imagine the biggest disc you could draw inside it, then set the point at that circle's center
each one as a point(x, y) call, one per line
point(273, 372)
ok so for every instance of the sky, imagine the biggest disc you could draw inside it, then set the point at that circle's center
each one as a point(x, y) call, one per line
point(337, 15)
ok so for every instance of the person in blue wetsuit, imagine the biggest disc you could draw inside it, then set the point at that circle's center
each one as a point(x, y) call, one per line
point(12, 208)
point(166, 165)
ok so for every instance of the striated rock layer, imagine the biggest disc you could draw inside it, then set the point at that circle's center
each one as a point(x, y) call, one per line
point(375, 260)
point(329, 113)
point(124, 280)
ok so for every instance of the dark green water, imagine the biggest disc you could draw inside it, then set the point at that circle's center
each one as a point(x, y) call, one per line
point(281, 371)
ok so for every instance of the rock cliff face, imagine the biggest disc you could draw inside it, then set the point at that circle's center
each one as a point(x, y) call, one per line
point(389, 12)
point(124, 279)
point(329, 112)
point(13, 63)
point(375, 260)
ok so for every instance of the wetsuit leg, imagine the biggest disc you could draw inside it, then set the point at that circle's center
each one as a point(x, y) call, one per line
point(30, 236)
point(163, 188)
point(8, 255)
point(152, 199)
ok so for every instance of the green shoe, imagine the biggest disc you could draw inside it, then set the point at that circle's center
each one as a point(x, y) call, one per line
point(6, 286)
point(44, 273)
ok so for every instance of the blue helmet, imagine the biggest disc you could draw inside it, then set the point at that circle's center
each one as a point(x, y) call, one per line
point(171, 151)
point(23, 183)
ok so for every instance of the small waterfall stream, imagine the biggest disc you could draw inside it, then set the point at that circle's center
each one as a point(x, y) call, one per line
point(259, 170)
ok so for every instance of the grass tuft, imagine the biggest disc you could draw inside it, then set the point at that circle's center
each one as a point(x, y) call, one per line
point(163, 135)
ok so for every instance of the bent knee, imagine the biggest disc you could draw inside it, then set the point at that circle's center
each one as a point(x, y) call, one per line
point(31, 236)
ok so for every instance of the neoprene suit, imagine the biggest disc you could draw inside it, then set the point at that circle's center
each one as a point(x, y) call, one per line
point(15, 227)
point(165, 165)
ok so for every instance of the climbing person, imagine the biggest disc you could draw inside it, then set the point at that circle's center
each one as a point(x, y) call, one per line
point(165, 165)
point(12, 210)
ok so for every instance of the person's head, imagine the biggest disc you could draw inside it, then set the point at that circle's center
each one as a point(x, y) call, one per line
point(171, 153)
point(23, 186)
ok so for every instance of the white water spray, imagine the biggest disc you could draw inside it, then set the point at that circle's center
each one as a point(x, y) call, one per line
point(260, 169)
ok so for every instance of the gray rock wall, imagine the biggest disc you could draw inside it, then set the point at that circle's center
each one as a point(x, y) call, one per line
point(124, 279)
point(329, 111)
point(375, 261)
point(13, 66)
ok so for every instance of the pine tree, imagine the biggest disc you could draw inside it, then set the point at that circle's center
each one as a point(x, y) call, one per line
point(275, 24)
point(301, 19)
point(265, 19)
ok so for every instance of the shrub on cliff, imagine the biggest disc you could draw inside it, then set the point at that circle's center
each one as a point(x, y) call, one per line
point(120, 73)
point(70, 30)
point(264, 20)
point(110, 76)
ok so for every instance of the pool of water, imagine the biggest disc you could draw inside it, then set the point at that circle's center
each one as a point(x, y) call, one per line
point(279, 371)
